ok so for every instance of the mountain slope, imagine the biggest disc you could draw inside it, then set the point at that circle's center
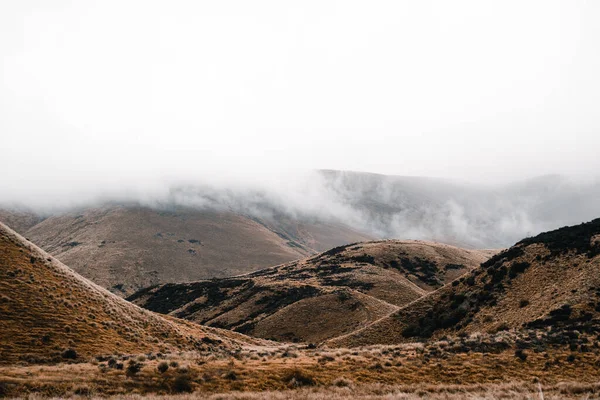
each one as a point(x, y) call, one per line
point(46, 308)
point(124, 248)
point(548, 281)
point(317, 298)
point(19, 220)
point(240, 228)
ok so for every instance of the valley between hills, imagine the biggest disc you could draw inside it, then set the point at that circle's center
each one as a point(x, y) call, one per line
point(370, 319)
point(299, 200)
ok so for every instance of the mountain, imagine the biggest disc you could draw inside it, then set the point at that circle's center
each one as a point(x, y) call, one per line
point(50, 313)
point(320, 297)
point(125, 248)
point(549, 282)
point(185, 233)
point(20, 220)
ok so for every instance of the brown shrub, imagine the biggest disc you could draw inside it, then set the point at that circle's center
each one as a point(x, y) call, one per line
point(162, 367)
point(299, 378)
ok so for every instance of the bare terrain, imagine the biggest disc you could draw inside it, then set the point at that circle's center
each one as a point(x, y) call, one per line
point(206, 231)
point(20, 220)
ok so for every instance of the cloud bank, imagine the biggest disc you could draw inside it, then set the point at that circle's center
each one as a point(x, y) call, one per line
point(382, 206)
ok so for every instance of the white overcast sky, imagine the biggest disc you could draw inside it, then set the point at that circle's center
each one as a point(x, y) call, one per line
point(472, 90)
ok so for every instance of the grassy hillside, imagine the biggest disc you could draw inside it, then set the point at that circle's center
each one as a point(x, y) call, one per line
point(50, 313)
point(549, 282)
point(317, 298)
point(20, 220)
point(127, 248)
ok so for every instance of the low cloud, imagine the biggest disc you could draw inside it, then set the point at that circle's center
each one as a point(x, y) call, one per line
point(382, 206)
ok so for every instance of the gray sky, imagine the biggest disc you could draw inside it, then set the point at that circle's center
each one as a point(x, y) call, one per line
point(98, 91)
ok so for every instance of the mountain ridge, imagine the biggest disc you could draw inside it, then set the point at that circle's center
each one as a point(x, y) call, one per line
point(351, 284)
point(134, 247)
point(549, 280)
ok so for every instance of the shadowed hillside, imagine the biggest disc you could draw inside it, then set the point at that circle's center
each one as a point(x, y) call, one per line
point(317, 298)
point(49, 313)
point(549, 282)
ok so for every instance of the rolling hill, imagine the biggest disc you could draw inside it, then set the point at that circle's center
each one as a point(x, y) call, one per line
point(320, 297)
point(50, 313)
point(125, 248)
point(184, 233)
point(549, 282)
point(20, 220)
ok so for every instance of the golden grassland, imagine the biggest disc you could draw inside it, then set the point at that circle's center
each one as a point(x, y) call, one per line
point(548, 283)
point(47, 309)
point(317, 298)
point(513, 391)
point(63, 336)
point(125, 248)
point(310, 373)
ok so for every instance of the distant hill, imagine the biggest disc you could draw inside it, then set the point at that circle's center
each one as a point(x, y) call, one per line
point(50, 313)
point(549, 282)
point(20, 220)
point(320, 297)
point(125, 248)
point(202, 231)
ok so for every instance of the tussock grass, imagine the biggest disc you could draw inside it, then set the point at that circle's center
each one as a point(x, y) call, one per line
point(513, 390)
point(318, 298)
point(51, 314)
point(407, 370)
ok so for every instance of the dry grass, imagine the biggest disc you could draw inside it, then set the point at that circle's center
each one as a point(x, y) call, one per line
point(515, 391)
point(47, 309)
point(120, 247)
point(549, 282)
point(318, 298)
point(372, 372)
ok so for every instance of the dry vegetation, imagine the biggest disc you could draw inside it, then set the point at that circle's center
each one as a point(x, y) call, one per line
point(525, 324)
point(49, 313)
point(19, 220)
point(125, 248)
point(549, 282)
point(412, 371)
point(315, 299)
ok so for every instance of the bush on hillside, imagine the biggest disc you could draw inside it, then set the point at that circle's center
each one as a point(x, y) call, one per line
point(162, 367)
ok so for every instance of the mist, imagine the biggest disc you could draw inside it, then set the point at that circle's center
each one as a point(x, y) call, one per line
point(245, 107)
point(466, 214)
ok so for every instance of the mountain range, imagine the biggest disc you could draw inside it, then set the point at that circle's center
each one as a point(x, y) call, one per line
point(202, 231)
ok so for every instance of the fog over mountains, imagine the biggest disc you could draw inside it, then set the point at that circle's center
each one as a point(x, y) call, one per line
point(381, 206)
